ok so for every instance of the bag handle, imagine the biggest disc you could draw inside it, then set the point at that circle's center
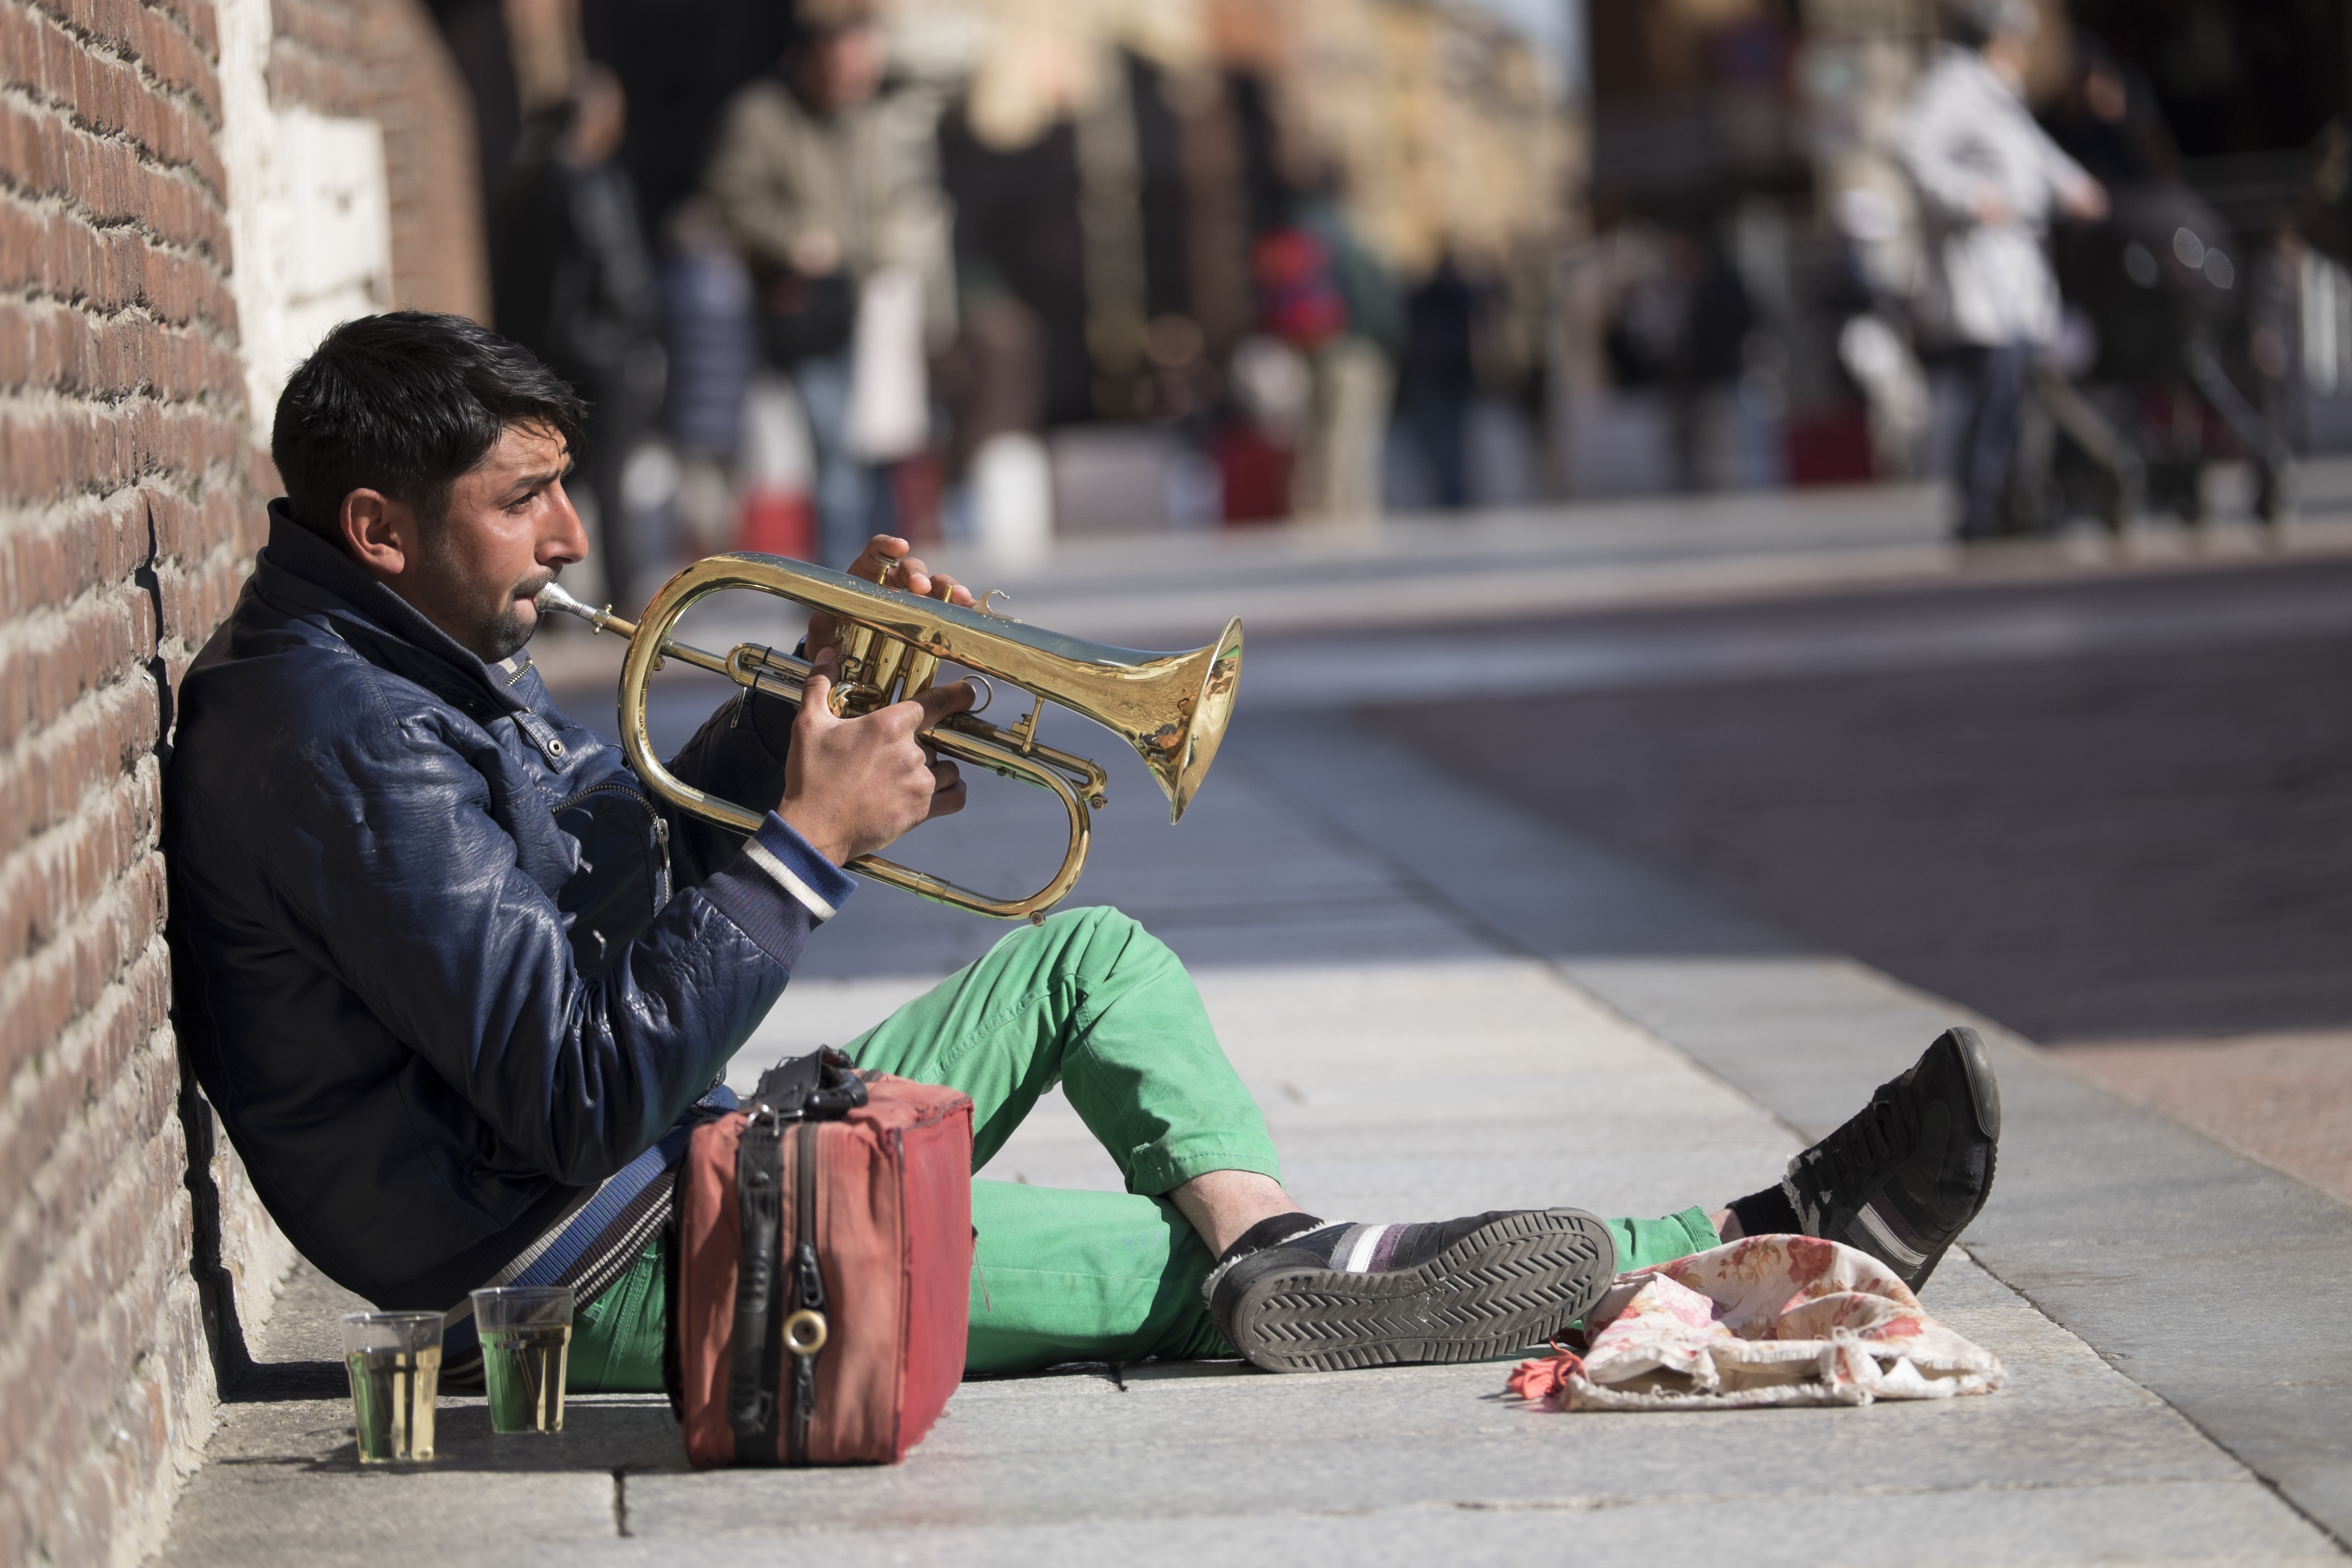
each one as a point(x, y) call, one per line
point(822, 1085)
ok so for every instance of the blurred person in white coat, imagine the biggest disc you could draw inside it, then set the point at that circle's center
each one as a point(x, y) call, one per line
point(1989, 180)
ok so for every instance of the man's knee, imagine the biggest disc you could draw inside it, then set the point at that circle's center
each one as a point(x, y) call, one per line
point(1099, 938)
point(1092, 922)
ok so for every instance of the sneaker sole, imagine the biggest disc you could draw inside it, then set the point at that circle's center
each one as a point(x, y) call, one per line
point(1511, 1283)
point(1984, 1095)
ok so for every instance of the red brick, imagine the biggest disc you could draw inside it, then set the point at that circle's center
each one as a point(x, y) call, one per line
point(323, 82)
point(103, 1287)
point(51, 1157)
point(56, 879)
point(54, 347)
point(98, 448)
point(56, 255)
point(158, 41)
point(107, 94)
point(108, 181)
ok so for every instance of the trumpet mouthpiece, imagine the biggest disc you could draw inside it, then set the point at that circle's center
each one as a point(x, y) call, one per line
point(553, 597)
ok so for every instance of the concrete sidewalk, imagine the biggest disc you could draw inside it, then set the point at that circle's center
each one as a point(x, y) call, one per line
point(1444, 1008)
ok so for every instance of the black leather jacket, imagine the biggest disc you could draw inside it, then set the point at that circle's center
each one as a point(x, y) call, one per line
point(438, 959)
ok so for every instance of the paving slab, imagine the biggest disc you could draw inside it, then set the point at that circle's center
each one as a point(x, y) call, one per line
point(2188, 1265)
point(2074, 1461)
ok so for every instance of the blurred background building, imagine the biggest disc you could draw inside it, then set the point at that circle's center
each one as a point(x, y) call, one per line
point(1211, 263)
point(1216, 263)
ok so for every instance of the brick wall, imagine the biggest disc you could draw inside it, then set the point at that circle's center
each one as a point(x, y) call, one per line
point(130, 504)
point(124, 516)
point(384, 60)
point(431, 168)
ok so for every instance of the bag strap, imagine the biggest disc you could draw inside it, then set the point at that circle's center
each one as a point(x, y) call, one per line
point(751, 1381)
point(822, 1085)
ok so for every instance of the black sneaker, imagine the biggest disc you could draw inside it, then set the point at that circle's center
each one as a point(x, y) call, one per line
point(1338, 1296)
point(1904, 1176)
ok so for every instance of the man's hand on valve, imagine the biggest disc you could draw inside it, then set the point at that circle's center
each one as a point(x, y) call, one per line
point(852, 786)
point(891, 561)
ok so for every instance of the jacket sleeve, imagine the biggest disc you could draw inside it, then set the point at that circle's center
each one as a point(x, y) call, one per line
point(2058, 168)
point(739, 754)
point(387, 850)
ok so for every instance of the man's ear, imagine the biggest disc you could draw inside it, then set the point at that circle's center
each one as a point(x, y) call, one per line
point(378, 531)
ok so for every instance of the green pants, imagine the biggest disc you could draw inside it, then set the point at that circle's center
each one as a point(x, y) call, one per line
point(1093, 1002)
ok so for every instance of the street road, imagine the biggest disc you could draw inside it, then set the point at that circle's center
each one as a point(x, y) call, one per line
point(2139, 837)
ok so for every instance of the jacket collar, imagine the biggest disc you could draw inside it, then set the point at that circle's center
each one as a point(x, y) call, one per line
point(299, 569)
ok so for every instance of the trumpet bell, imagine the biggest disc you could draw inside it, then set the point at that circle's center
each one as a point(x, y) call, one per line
point(1183, 760)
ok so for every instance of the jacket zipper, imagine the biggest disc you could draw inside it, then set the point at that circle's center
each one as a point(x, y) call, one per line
point(661, 872)
point(808, 1289)
point(660, 832)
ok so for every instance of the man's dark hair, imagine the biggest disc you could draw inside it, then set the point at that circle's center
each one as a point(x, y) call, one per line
point(404, 403)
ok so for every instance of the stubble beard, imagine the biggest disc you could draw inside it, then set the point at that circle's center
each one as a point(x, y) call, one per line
point(489, 635)
point(503, 634)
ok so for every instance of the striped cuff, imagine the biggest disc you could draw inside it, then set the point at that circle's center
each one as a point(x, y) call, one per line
point(820, 885)
point(778, 890)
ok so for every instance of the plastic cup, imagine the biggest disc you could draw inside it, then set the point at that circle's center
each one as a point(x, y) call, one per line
point(526, 1334)
point(394, 1361)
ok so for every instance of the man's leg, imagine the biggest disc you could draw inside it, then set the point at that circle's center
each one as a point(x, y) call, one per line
point(1094, 1002)
point(1990, 446)
point(845, 484)
point(1067, 1276)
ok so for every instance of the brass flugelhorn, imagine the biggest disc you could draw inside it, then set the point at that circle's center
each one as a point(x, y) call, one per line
point(1172, 708)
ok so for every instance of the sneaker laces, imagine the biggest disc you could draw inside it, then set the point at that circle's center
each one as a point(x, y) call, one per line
point(1870, 1138)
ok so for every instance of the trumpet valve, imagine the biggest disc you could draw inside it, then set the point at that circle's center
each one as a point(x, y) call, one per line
point(857, 651)
point(919, 670)
point(1023, 733)
point(882, 667)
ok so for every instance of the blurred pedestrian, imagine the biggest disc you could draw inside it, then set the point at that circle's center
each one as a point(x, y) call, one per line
point(1437, 377)
point(1989, 180)
point(572, 280)
point(830, 186)
point(1710, 351)
point(712, 328)
point(1321, 292)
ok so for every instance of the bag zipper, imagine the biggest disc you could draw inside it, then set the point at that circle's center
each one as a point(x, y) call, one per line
point(808, 1290)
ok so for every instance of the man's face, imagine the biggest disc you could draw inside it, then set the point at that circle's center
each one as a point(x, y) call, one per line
point(509, 530)
point(841, 69)
point(853, 65)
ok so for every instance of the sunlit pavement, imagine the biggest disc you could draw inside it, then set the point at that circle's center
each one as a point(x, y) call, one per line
point(1452, 987)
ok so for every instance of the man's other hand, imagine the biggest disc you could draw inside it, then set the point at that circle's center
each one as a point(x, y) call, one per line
point(887, 560)
point(853, 786)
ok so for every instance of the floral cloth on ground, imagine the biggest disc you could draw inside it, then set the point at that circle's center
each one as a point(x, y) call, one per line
point(1766, 1320)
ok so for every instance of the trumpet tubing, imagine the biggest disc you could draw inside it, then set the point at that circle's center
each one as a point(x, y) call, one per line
point(1171, 708)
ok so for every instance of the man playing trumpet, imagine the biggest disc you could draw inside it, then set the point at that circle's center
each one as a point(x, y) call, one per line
point(458, 985)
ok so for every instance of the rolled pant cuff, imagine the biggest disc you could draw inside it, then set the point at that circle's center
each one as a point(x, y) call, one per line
point(1158, 1169)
